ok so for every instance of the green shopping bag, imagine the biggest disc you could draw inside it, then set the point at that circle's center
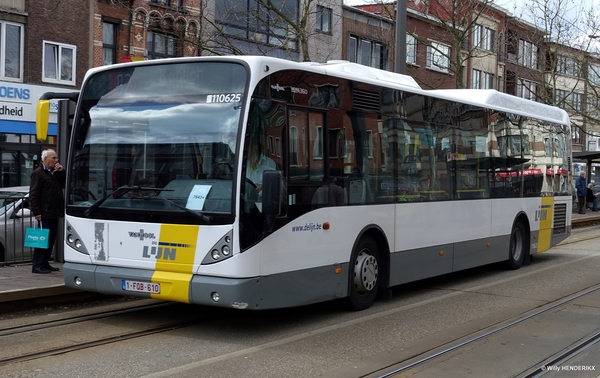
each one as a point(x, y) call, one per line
point(36, 237)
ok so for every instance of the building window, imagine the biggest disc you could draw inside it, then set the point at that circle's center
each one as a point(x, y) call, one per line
point(11, 51)
point(160, 46)
point(368, 53)
point(438, 57)
point(567, 66)
point(483, 37)
point(568, 100)
point(575, 100)
point(593, 107)
point(482, 80)
point(477, 32)
point(352, 46)
point(526, 89)
point(109, 43)
point(59, 63)
point(528, 54)
point(323, 19)
point(488, 80)
point(594, 74)
point(476, 79)
point(411, 49)
point(252, 21)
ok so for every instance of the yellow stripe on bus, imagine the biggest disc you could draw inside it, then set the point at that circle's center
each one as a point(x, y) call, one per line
point(174, 267)
point(545, 214)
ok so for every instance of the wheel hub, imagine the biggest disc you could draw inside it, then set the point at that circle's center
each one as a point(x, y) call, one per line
point(366, 272)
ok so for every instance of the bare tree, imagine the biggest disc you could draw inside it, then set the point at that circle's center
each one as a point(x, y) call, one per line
point(471, 36)
point(454, 35)
point(568, 74)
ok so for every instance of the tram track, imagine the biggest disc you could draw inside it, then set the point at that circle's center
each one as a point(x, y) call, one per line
point(552, 364)
point(29, 331)
point(402, 369)
point(76, 319)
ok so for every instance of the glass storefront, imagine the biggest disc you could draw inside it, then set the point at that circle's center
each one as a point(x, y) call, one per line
point(20, 156)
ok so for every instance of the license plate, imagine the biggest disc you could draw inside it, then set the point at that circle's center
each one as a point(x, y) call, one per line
point(142, 287)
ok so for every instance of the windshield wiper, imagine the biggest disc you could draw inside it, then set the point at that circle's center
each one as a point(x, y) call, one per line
point(196, 213)
point(127, 188)
point(124, 189)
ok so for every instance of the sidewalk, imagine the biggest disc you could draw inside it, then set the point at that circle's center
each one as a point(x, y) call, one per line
point(17, 282)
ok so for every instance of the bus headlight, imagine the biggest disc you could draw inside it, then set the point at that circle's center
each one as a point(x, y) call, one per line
point(222, 250)
point(74, 241)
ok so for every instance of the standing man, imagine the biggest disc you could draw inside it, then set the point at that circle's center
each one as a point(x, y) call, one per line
point(47, 203)
point(581, 186)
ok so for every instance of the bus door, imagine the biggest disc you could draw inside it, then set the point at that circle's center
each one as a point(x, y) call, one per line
point(307, 161)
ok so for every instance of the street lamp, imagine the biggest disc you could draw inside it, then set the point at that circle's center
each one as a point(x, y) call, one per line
point(400, 59)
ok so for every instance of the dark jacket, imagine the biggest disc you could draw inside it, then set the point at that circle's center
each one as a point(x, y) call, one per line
point(590, 197)
point(581, 186)
point(46, 193)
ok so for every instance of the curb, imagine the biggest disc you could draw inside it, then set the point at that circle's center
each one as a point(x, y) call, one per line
point(37, 292)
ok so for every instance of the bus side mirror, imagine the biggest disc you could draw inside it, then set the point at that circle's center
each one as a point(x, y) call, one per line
point(271, 197)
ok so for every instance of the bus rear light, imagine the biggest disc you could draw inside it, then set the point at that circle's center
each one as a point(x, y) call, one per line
point(326, 226)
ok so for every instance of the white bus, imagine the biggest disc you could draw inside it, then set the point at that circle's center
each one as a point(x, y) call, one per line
point(258, 183)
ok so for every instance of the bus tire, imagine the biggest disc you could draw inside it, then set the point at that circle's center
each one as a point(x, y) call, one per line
point(517, 247)
point(364, 274)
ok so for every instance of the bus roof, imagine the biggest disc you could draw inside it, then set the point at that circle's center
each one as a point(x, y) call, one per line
point(486, 98)
point(492, 99)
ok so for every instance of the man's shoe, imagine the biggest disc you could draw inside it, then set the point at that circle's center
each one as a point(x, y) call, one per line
point(40, 270)
point(582, 212)
point(51, 268)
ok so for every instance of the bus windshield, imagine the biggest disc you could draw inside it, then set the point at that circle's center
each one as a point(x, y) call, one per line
point(158, 137)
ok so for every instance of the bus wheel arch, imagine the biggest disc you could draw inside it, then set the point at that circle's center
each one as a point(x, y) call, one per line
point(368, 269)
point(519, 246)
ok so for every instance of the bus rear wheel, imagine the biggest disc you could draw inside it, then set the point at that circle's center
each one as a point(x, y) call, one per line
point(364, 274)
point(517, 247)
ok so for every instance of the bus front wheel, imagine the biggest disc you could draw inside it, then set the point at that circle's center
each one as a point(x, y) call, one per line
point(517, 247)
point(364, 274)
